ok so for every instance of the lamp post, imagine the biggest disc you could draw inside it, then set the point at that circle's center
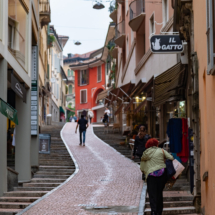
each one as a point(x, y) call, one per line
point(98, 6)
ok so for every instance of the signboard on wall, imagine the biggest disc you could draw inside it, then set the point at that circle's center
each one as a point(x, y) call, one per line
point(166, 44)
point(44, 143)
point(34, 92)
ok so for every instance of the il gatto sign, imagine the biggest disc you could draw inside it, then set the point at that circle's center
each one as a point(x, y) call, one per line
point(166, 44)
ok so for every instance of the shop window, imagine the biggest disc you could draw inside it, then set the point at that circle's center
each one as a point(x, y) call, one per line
point(70, 89)
point(165, 11)
point(210, 36)
point(99, 74)
point(83, 77)
point(17, 31)
point(83, 96)
point(152, 25)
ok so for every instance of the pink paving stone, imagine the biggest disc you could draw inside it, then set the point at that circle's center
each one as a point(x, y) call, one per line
point(105, 178)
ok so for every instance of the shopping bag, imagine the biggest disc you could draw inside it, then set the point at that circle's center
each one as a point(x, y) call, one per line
point(178, 168)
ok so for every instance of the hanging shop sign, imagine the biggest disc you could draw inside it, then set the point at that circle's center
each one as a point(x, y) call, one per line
point(44, 143)
point(8, 111)
point(166, 44)
point(18, 88)
point(34, 92)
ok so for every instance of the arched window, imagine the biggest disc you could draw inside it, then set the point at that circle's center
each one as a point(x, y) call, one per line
point(70, 89)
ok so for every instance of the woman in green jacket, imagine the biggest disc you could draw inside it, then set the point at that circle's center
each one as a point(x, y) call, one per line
point(154, 167)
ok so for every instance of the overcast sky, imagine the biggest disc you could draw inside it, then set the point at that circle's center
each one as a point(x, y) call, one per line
point(78, 20)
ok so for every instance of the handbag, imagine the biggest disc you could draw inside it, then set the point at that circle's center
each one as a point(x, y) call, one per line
point(169, 167)
point(178, 168)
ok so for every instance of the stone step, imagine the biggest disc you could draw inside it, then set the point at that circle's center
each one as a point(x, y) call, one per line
point(171, 198)
point(33, 188)
point(173, 204)
point(56, 163)
point(4, 211)
point(47, 180)
point(56, 167)
point(174, 210)
point(57, 170)
point(179, 188)
point(25, 193)
point(41, 184)
point(59, 158)
point(14, 205)
point(43, 156)
point(53, 173)
point(52, 176)
point(18, 199)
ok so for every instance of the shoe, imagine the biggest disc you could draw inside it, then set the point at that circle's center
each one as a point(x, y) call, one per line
point(84, 144)
point(80, 144)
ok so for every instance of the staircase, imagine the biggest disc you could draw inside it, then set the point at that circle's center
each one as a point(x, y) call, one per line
point(54, 169)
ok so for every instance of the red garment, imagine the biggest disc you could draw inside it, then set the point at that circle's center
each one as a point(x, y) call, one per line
point(184, 154)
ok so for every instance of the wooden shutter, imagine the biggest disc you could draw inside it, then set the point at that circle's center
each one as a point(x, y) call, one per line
point(209, 35)
point(99, 78)
point(79, 80)
point(85, 96)
point(87, 72)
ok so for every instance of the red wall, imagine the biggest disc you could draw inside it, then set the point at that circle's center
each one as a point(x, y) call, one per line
point(91, 93)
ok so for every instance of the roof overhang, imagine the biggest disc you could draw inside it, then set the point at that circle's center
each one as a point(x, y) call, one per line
point(98, 107)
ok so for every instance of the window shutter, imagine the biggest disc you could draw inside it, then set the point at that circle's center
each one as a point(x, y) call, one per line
point(79, 80)
point(85, 96)
point(87, 76)
point(81, 96)
point(209, 35)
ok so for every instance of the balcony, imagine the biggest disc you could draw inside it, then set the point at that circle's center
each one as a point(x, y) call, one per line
point(71, 78)
point(114, 52)
point(137, 14)
point(113, 16)
point(120, 34)
point(45, 12)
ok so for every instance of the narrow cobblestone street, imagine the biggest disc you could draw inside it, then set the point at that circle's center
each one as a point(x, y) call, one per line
point(104, 178)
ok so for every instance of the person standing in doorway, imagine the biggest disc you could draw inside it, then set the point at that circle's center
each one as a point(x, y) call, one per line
point(83, 125)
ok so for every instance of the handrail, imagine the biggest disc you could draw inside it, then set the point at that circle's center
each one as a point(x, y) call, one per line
point(136, 8)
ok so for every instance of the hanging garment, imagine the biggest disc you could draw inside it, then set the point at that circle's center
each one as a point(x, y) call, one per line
point(174, 132)
point(184, 154)
point(14, 135)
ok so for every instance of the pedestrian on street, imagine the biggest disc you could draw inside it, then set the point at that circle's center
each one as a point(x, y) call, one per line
point(154, 167)
point(90, 115)
point(84, 113)
point(83, 125)
point(105, 119)
point(108, 112)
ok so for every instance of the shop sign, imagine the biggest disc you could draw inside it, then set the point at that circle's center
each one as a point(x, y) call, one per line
point(18, 88)
point(34, 92)
point(44, 143)
point(166, 44)
point(8, 111)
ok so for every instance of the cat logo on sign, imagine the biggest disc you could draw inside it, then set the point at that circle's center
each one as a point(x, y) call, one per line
point(166, 44)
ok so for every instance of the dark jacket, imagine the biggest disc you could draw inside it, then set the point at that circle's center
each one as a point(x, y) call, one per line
point(105, 119)
point(139, 145)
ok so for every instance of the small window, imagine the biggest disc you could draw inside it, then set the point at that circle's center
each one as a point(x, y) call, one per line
point(83, 96)
point(99, 74)
point(165, 11)
point(152, 25)
point(83, 77)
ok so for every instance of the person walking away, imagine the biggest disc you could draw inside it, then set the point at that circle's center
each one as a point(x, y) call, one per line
point(108, 112)
point(105, 119)
point(154, 167)
point(75, 118)
point(83, 125)
point(84, 113)
point(90, 115)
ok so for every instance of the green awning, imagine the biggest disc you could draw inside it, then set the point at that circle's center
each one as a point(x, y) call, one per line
point(62, 110)
point(8, 111)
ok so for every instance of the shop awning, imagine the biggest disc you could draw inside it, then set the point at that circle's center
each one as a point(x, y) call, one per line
point(62, 110)
point(147, 87)
point(140, 84)
point(169, 86)
point(125, 89)
point(98, 107)
point(142, 104)
point(8, 111)
point(102, 95)
point(119, 109)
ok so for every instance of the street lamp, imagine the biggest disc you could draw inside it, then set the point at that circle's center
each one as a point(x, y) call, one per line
point(98, 6)
point(77, 43)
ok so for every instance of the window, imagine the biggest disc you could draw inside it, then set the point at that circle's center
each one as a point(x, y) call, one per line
point(83, 96)
point(210, 35)
point(70, 72)
point(152, 25)
point(99, 74)
point(83, 77)
point(165, 11)
point(70, 89)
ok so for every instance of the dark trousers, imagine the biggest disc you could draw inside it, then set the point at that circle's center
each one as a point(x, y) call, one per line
point(84, 135)
point(90, 120)
point(155, 186)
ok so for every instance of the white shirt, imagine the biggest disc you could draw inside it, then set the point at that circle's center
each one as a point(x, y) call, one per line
point(107, 111)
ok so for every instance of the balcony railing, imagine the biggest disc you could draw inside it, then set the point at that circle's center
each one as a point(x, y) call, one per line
point(120, 29)
point(136, 8)
point(45, 12)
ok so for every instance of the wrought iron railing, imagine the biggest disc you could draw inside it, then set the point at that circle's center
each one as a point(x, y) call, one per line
point(136, 8)
point(120, 29)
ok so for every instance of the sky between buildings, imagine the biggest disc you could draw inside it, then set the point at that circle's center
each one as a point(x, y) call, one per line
point(78, 20)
